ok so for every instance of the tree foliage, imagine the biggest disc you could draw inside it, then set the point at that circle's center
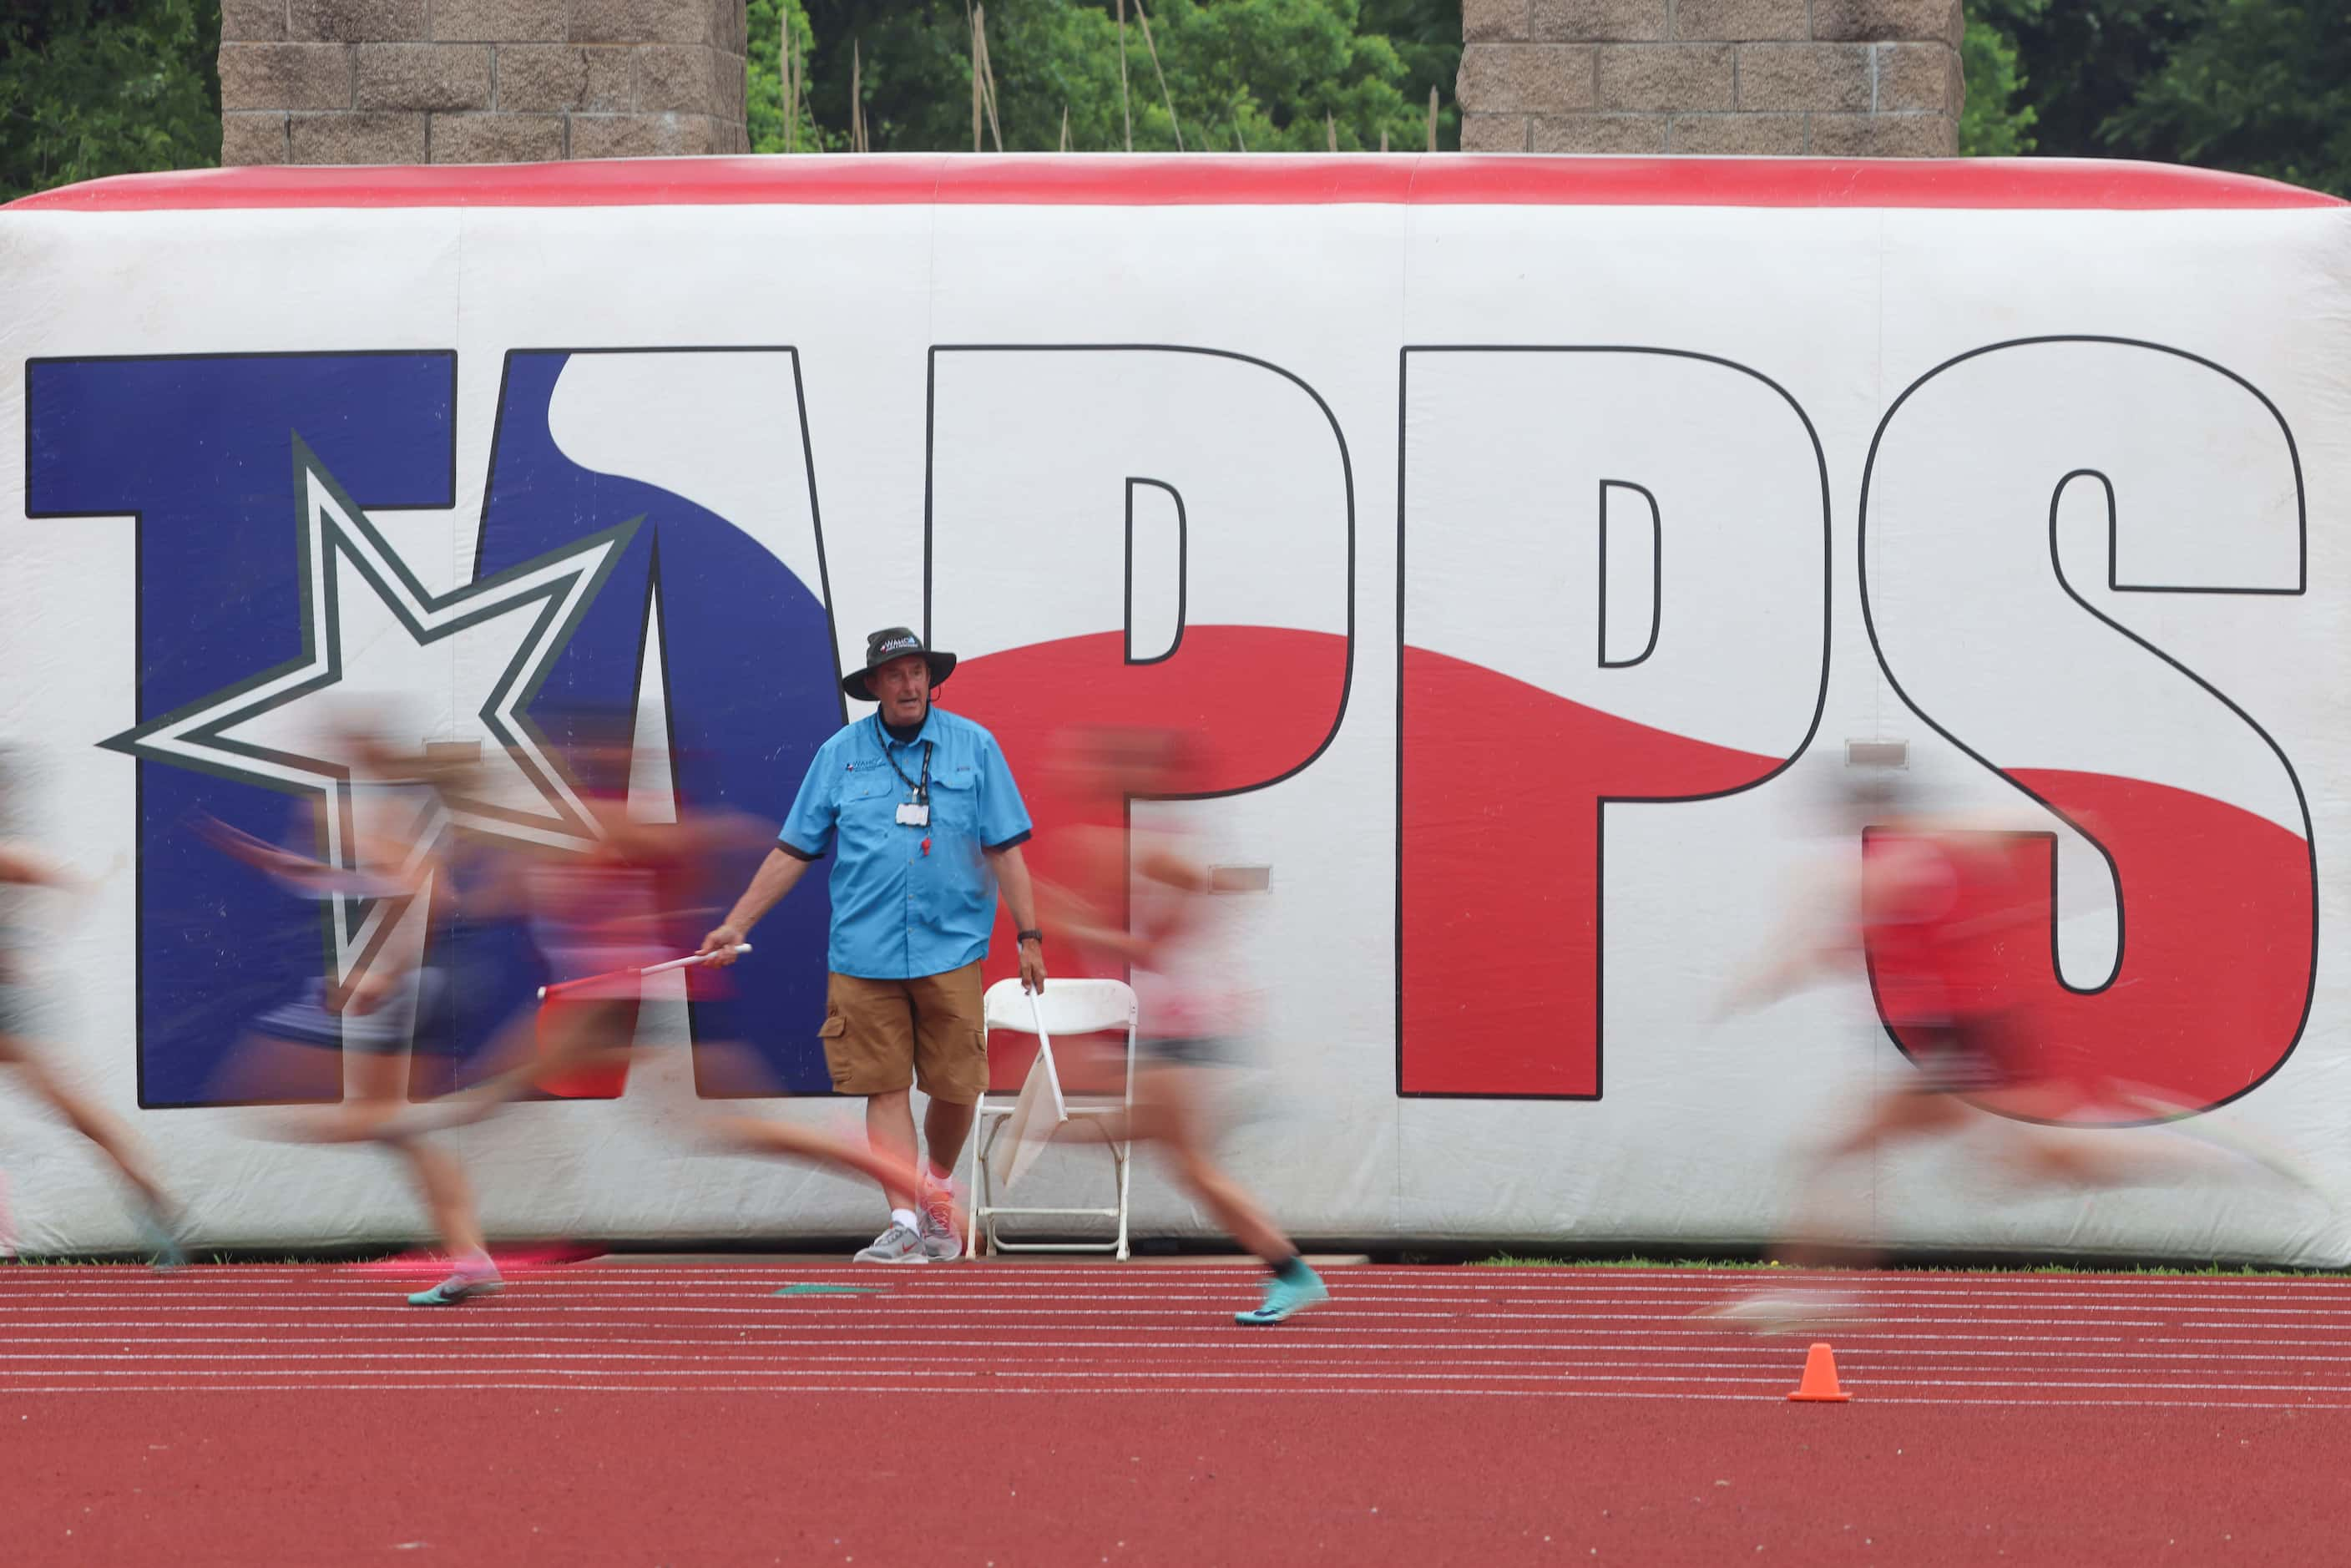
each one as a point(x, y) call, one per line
point(763, 100)
point(1267, 74)
point(106, 87)
point(1996, 122)
point(2259, 87)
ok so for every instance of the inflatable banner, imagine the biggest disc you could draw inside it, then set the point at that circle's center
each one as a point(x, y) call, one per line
point(1535, 544)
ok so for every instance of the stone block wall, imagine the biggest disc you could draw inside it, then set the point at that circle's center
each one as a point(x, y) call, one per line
point(479, 81)
point(1839, 78)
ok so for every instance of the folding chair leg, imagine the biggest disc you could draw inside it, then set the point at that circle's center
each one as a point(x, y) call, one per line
point(972, 1201)
point(1125, 1165)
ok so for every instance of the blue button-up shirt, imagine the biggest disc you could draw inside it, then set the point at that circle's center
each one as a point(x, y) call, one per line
point(898, 912)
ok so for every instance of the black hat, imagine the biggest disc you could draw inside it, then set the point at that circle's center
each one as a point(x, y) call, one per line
point(888, 644)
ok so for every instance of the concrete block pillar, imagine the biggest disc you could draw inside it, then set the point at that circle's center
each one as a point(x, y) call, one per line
point(479, 81)
point(1839, 78)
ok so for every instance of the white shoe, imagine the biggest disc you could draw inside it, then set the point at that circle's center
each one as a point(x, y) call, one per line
point(896, 1245)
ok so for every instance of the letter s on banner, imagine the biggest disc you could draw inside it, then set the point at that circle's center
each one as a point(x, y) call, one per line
point(1195, 509)
point(1544, 488)
point(2064, 510)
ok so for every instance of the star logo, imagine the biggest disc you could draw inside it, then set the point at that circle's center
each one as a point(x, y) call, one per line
point(460, 667)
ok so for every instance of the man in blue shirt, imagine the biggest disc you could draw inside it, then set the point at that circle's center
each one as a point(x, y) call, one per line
point(925, 823)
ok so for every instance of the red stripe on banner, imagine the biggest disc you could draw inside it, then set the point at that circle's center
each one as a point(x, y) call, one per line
point(1255, 180)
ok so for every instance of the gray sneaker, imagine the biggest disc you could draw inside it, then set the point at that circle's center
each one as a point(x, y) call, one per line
point(896, 1245)
point(942, 1238)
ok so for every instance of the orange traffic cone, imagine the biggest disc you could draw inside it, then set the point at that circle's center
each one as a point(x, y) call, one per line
point(1819, 1383)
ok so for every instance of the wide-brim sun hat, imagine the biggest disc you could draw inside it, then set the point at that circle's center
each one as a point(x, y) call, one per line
point(892, 643)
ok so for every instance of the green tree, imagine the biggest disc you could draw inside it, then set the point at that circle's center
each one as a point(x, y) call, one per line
point(106, 87)
point(1995, 123)
point(764, 69)
point(2085, 61)
point(2262, 87)
point(1262, 74)
point(2255, 86)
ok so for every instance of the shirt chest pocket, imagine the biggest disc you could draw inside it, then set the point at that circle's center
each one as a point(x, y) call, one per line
point(863, 791)
point(954, 802)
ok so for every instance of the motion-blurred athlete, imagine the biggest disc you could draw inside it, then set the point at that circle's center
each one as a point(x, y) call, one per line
point(1937, 907)
point(1186, 998)
point(370, 1016)
point(23, 868)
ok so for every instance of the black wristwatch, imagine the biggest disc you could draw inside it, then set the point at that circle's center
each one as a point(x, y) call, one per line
point(1036, 936)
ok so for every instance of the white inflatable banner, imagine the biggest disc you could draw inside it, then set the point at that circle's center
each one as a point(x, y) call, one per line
point(1532, 538)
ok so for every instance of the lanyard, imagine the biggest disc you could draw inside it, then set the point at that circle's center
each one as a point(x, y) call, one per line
point(921, 788)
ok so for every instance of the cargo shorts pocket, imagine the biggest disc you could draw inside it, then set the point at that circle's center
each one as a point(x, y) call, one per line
point(833, 1036)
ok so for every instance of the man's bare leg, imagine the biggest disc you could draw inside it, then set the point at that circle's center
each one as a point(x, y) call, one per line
point(946, 1126)
point(890, 1133)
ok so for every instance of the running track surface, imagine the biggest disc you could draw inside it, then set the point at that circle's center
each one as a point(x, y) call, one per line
point(981, 1413)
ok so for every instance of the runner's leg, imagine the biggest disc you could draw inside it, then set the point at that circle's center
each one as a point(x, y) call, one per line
point(101, 1127)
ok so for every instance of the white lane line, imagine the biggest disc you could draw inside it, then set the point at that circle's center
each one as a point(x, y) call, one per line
point(1447, 1280)
point(1875, 1359)
point(2264, 1339)
point(511, 1388)
point(1073, 1393)
point(514, 1319)
point(669, 1368)
point(1858, 1317)
point(1878, 1366)
point(517, 1306)
point(1287, 1347)
point(787, 1377)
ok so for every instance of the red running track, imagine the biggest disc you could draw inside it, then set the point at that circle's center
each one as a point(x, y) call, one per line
point(1044, 1413)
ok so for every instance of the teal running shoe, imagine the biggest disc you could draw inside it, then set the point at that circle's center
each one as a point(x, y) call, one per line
point(1285, 1298)
point(159, 1232)
point(461, 1286)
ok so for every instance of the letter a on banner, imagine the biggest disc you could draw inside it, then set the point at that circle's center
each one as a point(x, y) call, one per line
point(1613, 590)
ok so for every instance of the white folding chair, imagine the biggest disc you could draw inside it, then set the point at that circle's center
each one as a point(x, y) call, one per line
point(1064, 1009)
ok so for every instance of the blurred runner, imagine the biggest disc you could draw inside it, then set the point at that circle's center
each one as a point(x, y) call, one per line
point(1190, 1013)
point(23, 868)
point(1934, 907)
point(599, 916)
point(369, 1015)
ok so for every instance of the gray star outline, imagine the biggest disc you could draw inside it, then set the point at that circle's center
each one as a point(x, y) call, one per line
point(332, 531)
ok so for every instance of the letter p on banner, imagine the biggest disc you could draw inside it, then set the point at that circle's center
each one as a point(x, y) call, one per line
point(1140, 537)
point(1613, 589)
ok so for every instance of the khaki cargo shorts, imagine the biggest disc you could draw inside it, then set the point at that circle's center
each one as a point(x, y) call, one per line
point(879, 1033)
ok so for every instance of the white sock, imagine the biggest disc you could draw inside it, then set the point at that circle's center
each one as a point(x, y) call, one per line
point(906, 1217)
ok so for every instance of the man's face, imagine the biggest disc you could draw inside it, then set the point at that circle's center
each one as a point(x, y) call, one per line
point(904, 685)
